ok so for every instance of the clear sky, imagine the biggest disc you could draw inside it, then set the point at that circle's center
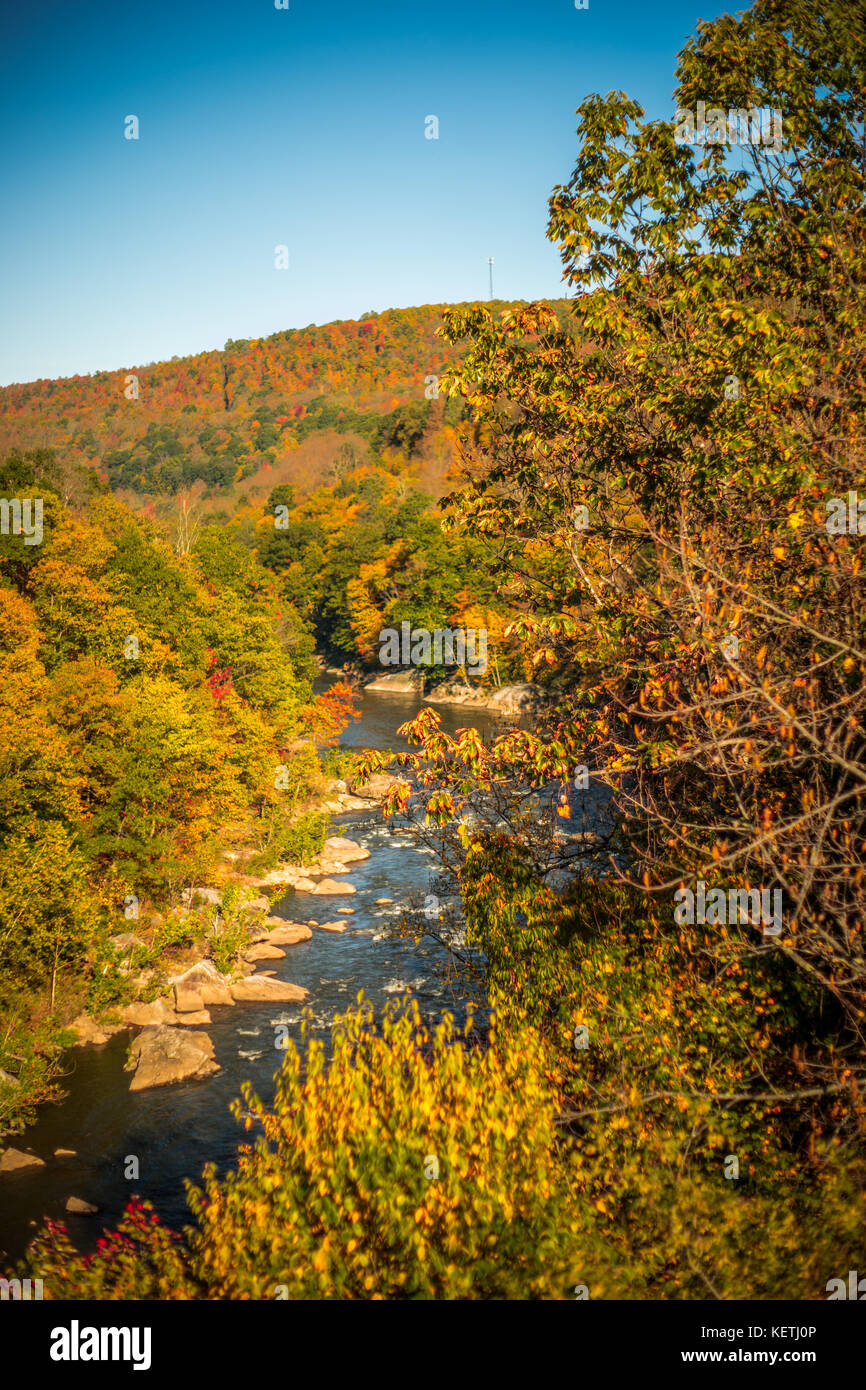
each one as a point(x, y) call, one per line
point(302, 127)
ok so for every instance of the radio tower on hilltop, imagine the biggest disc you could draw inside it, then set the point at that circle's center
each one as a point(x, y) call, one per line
point(490, 264)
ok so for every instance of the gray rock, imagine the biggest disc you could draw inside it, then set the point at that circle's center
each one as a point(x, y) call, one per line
point(265, 989)
point(264, 951)
point(79, 1207)
point(515, 699)
point(14, 1160)
point(344, 849)
point(205, 982)
point(454, 692)
point(287, 933)
point(329, 887)
point(162, 1056)
point(398, 683)
point(187, 999)
point(148, 1015)
point(195, 1018)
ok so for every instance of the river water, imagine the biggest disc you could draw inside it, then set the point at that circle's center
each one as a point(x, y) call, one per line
point(173, 1131)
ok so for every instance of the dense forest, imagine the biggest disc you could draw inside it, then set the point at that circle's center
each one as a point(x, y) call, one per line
point(344, 426)
point(147, 699)
point(222, 418)
point(669, 1102)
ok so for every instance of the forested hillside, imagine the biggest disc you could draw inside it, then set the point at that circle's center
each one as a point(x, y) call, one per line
point(220, 418)
point(344, 425)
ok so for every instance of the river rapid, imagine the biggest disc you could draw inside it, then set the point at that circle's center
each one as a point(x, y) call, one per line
point(174, 1130)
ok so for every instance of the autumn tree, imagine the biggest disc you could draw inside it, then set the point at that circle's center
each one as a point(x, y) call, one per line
point(668, 482)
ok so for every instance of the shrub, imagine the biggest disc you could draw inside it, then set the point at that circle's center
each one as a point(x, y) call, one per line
point(413, 1165)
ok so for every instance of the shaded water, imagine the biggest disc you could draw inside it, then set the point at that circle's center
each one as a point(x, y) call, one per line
point(174, 1130)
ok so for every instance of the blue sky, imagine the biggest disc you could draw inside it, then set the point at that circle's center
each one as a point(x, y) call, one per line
point(302, 127)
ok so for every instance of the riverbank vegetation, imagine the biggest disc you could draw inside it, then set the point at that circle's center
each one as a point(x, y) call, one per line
point(149, 701)
point(663, 1107)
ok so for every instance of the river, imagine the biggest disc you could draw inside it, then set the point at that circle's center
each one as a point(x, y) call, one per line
point(173, 1131)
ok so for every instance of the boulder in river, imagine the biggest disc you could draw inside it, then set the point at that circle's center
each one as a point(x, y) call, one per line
point(287, 933)
point(520, 698)
point(163, 1055)
point(65, 1153)
point(406, 682)
point(332, 926)
point(263, 950)
point(285, 875)
point(329, 886)
point(206, 982)
point(455, 691)
point(344, 849)
point(79, 1207)
point(187, 999)
point(148, 1015)
point(265, 989)
point(151, 1015)
point(14, 1160)
point(516, 699)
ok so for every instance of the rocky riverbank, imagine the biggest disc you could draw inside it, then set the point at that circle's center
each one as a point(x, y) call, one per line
point(508, 700)
point(171, 993)
point(171, 1043)
point(170, 1009)
point(166, 1050)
